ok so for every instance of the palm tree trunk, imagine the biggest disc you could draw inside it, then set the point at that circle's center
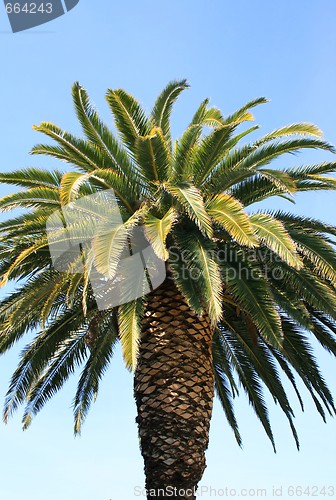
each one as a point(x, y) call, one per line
point(174, 388)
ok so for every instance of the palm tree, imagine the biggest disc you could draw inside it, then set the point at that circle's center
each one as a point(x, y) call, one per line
point(246, 290)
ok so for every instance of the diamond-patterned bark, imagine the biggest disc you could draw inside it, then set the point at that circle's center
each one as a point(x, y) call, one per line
point(174, 388)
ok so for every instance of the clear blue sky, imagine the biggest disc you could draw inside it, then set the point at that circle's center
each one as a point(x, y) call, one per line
point(231, 52)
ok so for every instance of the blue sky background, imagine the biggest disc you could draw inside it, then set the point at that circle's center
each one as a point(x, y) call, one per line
point(231, 52)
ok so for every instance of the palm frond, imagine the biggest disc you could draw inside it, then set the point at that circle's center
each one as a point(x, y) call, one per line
point(242, 114)
point(320, 253)
point(30, 198)
point(190, 199)
point(72, 149)
point(303, 172)
point(263, 362)
point(130, 119)
point(152, 155)
point(299, 222)
point(230, 214)
point(293, 129)
point(129, 316)
point(264, 154)
point(100, 135)
point(210, 152)
point(315, 291)
point(298, 352)
point(32, 177)
point(274, 235)
point(184, 147)
point(245, 281)
point(36, 356)
point(111, 240)
point(224, 382)
point(94, 369)
point(163, 107)
point(258, 188)
point(70, 185)
point(68, 356)
point(157, 230)
point(248, 378)
point(199, 260)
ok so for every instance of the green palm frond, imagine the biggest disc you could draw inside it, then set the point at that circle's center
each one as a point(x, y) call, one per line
point(320, 184)
point(265, 154)
point(315, 291)
point(95, 367)
point(245, 281)
point(213, 118)
point(190, 200)
point(68, 356)
point(32, 177)
point(198, 259)
point(230, 214)
point(71, 149)
point(278, 178)
point(305, 224)
point(152, 155)
point(265, 366)
point(36, 356)
point(99, 134)
point(184, 279)
point(251, 156)
point(21, 311)
point(127, 190)
point(274, 235)
point(299, 353)
point(224, 383)
point(325, 335)
point(293, 129)
point(108, 247)
point(163, 107)
point(184, 146)
point(285, 366)
point(24, 225)
point(321, 254)
point(210, 152)
point(303, 172)
point(292, 304)
point(70, 185)
point(258, 188)
point(31, 198)
point(248, 378)
point(56, 293)
point(242, 114)
point(157, 230)
point(27, 252)
point(130, 119)
point(129, 316)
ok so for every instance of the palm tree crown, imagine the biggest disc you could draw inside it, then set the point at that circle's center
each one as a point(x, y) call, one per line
point(266, 280)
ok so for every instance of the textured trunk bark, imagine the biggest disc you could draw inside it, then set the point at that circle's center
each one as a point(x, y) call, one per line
point(174, 388)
